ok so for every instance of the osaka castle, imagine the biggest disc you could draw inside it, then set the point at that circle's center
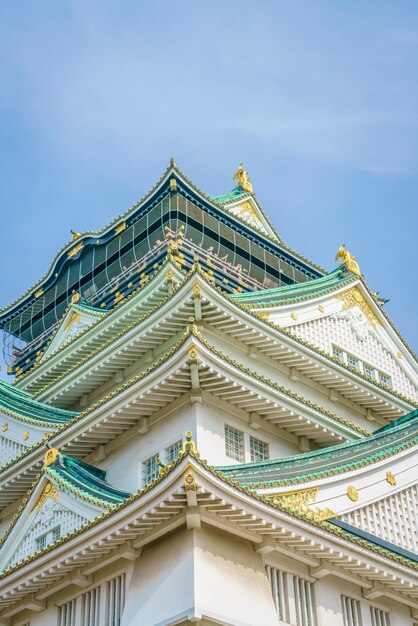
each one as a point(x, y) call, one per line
point(205, 427)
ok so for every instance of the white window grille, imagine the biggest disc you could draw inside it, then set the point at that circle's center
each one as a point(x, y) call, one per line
point(172, 452)
point(353, 361)
point(56, 533)
point(351, 611)
point(234, 444)
point(151, 469)
point(304, 602)
point(41, 542)
point(259, 450)
point(338, 353)
point(384, 379)
point(379, 617)
point(66, 614)
point(90, 608)
point(369, 370)
point(277, 582)
point(115, 600)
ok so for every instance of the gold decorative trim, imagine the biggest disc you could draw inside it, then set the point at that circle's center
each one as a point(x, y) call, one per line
point(71, 253)
point(120, 228)
point(50, 456)
point(50, 491)
point(25, 435)
point(5, 427)
point(39, 293)
point(293, 316)
point(353, 297)
point(390, 478)
point(75, 298)
point(173, 184)
point(352, 493)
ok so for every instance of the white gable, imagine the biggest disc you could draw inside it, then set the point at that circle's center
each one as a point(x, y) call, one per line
point(76, 320)
point(49, 514)
point(394, 518)
point(248, 210)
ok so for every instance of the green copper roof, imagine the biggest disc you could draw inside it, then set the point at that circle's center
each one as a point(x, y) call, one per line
point(20, 404)
point(86, 481)
point(290, 293)
point(324, 462)
point(232, 196)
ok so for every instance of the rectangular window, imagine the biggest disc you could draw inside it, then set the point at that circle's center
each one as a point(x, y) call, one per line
point(66, 614)
point(172, 452)
point(259, 450)
point(337, 353)
point(369, 370)
point(384, 379)
point(56, 533)
point(379, 617)
point(277, 582)
point(351, 611)
point(352, 361)
point(304, 602)
point(90, 608)
point(151, 469)
point(234, 444)
point(41, 542)
point(115, 600)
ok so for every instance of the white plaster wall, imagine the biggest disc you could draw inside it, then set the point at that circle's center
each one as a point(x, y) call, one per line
point(230, 581)
point(211, 437)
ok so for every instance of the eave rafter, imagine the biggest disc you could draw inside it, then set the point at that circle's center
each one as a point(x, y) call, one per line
point(190, 493)
point(217, 310)
point(147, 395)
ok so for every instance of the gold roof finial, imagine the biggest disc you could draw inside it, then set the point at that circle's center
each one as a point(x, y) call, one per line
point(75, 235)
point(243, 179)
point(347, 259)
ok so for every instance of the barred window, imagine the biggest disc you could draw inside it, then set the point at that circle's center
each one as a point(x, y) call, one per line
point(369, 370)
point(351, 611)
point(172, 452)
point(304, 602)
point(384, 379)
point(353, 361)
point(115, 600)
point(41, 542)
point(151, 469)
point(90, 608)
point(234, 444)
point(379, 617)
point(338, 353)
point(259, 450)
point(56, 533)
point(66, 614)
point(277, 582)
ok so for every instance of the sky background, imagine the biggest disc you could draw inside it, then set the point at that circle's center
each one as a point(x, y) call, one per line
point(318, 99)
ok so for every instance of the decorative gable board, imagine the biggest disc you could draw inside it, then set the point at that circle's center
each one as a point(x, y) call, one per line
point(16, 436)
point(394, 518)
point(347, 320)
point(75, 321)
point(49, 514)
point(248, 210)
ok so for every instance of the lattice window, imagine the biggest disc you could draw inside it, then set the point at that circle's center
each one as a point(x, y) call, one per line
point(369, 370)
point(66, 614)
point(379, 617)
point(384, 379)
point(304, 602)
point(90, 608)
point(277, 581)
point(353, 361)
point(115, 600)
point(41, 542)
point(351, 611)
point(337, 353)
point(259, 450)
point(234, 444)
point(172, 452)
point(151, 469)
point(56, 533)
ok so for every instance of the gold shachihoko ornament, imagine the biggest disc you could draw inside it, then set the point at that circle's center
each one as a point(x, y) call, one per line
point(243, 179)
point(347, 259)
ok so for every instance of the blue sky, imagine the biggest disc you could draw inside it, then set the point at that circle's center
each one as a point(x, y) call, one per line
point(319, 99)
